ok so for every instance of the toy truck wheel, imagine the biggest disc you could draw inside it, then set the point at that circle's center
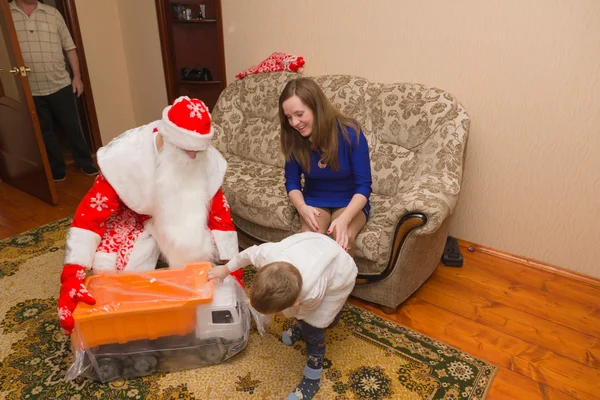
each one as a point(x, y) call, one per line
point(144, 364)
point(212, 353)
point(108, 369)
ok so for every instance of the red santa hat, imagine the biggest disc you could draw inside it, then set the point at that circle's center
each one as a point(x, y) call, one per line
point(187, 124)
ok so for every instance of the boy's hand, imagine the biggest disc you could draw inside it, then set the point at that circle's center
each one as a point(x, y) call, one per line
point(218, 273)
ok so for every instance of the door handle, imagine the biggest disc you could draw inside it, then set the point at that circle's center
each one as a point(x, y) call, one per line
point(24, 70)
point(16, 70)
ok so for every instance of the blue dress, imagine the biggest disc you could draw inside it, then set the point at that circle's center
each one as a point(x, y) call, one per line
point(326, 188)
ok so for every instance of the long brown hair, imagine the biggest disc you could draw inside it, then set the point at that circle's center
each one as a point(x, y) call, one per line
point(324, 133)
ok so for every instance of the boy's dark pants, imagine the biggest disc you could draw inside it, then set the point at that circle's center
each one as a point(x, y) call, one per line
point(315, 342)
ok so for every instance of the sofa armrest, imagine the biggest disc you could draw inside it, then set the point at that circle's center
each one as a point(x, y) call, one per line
point(433, 190)
point(433, 194)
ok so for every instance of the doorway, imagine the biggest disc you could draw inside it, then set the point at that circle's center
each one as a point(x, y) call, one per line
point(85, 103)
point(23, 160)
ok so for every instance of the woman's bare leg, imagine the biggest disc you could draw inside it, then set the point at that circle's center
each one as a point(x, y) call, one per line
point(354, 227)
point(324, 220)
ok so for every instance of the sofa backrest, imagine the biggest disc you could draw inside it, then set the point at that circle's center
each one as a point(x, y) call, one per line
point(403, 123)
point(247, 112)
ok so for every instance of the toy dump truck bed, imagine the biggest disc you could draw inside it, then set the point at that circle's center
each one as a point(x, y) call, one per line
point(141, 305)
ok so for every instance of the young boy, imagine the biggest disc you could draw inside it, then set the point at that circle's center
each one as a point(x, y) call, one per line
point(307, 276)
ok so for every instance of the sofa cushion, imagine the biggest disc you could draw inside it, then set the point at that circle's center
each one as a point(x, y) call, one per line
point(259, 96)
point(406, 114)
point(257, 140)
point(391, 165)
point(256, 192)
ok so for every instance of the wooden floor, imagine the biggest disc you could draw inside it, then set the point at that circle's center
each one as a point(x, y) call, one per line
point(20, 212)
point(541, 329)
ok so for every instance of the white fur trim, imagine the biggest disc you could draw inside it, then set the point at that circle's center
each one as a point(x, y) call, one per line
point(227, 244)
point(144, 255)
point(104, 262)
point(183, 138)
point(218, 167)
point(128, 163)
point(81, 246)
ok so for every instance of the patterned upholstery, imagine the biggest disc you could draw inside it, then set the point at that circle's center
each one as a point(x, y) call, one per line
point(417, 137)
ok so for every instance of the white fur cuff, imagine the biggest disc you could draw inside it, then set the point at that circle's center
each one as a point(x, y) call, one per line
point(105, 262)
point(81, 246)
point(144, 255)
point(227, 244)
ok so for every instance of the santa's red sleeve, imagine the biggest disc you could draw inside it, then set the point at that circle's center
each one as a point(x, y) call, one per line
point(89, 223)
point(222, 228)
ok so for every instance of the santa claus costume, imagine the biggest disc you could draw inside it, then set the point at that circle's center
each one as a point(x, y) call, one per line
point(149, 201)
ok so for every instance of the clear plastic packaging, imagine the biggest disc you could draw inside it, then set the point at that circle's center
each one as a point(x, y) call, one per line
point(159, 321)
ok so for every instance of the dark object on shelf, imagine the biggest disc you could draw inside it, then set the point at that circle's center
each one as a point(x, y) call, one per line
point(178, 11)
point(196, 74)
point(452, 256)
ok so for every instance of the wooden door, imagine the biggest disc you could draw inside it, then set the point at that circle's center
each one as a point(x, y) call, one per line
point(23, 160)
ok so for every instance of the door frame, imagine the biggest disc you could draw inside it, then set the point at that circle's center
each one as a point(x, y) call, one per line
point(163, 14)
point(88, 97)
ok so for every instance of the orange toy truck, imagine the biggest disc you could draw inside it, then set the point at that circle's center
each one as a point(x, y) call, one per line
point(158, 321)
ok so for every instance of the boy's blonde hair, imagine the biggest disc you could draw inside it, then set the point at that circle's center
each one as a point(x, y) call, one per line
point(275, 287)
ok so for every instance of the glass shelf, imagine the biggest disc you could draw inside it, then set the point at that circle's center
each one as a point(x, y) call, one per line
point(199, 82)
point(194, 21)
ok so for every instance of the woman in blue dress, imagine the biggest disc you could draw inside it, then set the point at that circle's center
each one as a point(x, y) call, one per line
point(329, 149)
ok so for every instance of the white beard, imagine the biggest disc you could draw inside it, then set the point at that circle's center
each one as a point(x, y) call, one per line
point(179, 220)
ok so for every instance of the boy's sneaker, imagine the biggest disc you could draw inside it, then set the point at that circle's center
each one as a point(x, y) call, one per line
point(90, 171)
point(59, 177)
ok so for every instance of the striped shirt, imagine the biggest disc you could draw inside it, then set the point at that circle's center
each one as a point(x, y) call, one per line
point(43, 37)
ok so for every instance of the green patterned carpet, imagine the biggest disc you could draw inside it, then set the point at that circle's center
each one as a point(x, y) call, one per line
point(367, 357)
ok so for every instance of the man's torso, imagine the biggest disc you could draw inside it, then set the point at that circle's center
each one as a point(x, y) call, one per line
point(42, 37)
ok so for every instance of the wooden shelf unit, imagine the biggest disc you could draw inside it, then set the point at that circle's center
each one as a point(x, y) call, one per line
point(194, 43)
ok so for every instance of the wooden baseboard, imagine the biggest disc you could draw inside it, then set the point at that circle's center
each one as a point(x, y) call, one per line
point(589, 280)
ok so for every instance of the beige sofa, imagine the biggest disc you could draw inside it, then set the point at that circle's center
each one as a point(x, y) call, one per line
point(417, 138)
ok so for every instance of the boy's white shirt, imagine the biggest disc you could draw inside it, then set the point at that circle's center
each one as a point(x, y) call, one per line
point(328, 273)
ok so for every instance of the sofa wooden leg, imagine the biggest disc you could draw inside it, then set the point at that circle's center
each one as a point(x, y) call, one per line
point(388, 310)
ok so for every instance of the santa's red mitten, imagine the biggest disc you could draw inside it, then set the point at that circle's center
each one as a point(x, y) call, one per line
point(72, 291)
point(238, 275)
